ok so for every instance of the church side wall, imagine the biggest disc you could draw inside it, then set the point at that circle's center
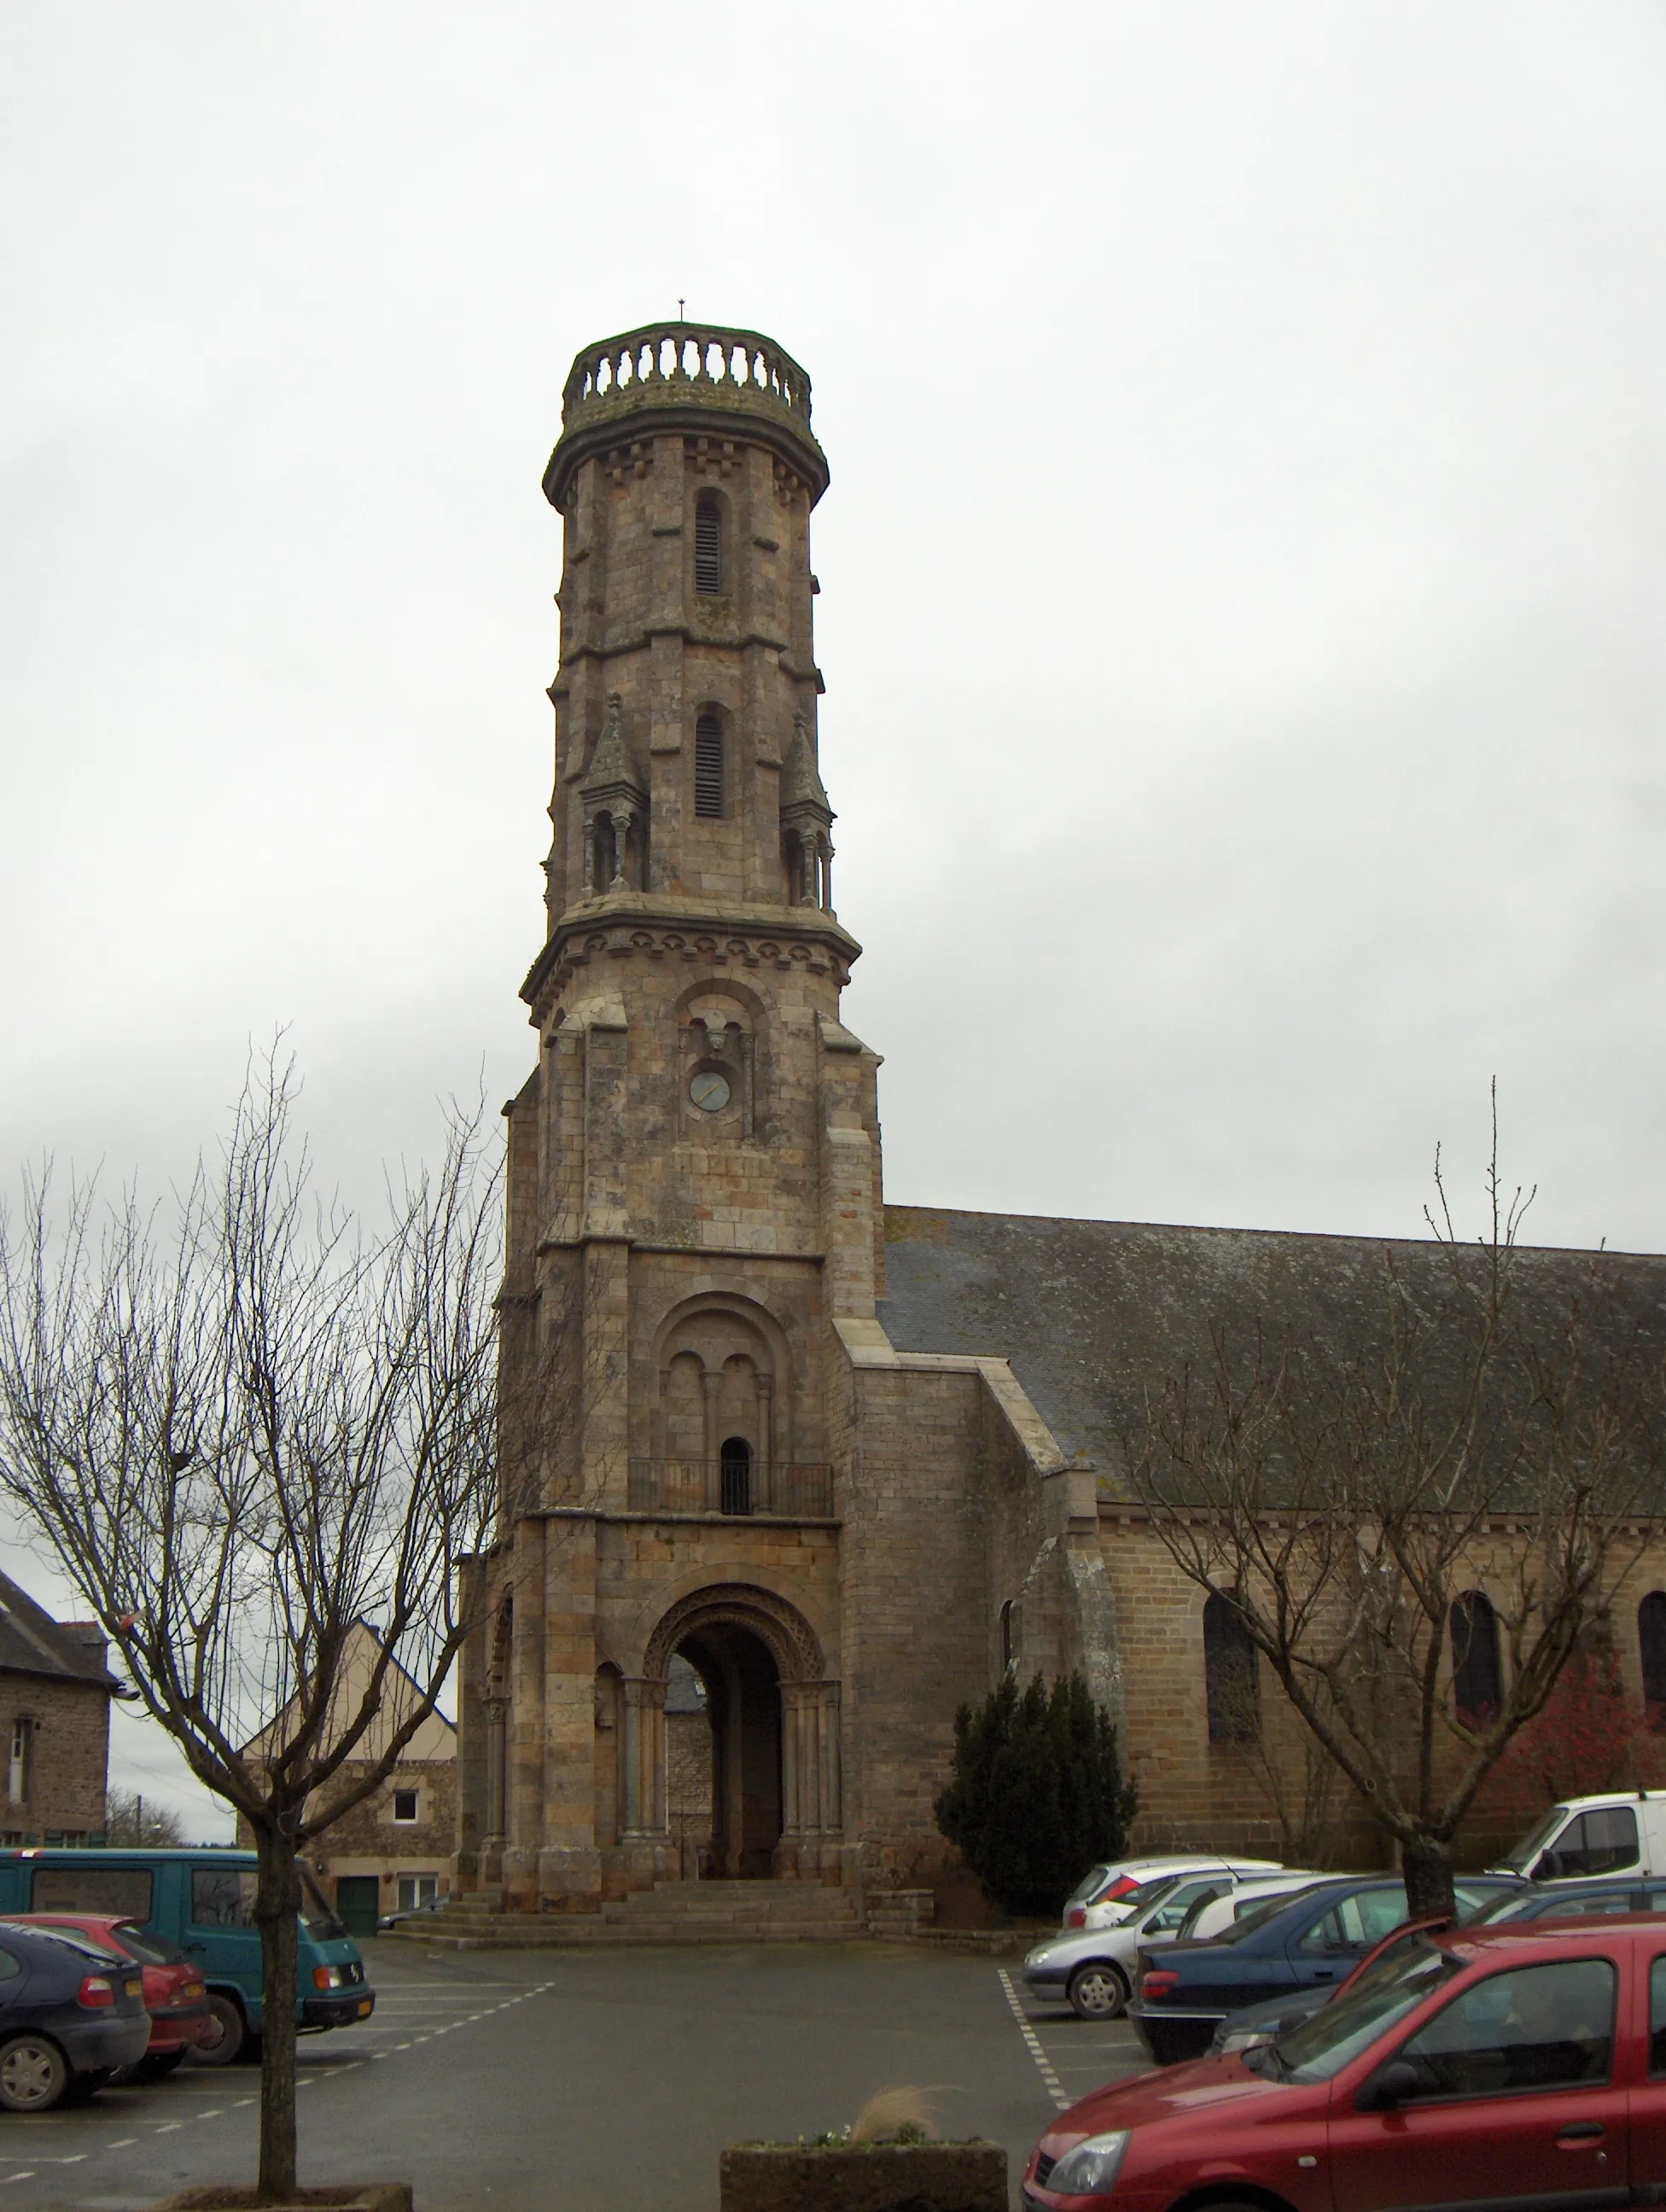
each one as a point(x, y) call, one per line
point(1280, 1798)
point(915, 1603)
point(1192, 1792)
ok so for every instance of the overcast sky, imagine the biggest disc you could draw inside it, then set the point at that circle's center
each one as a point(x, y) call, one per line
point(1241, 577)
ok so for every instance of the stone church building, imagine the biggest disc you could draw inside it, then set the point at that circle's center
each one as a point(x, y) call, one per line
point(847, 1460)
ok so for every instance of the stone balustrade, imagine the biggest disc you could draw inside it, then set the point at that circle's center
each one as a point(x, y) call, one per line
point(669, 361)
point(800, 1490)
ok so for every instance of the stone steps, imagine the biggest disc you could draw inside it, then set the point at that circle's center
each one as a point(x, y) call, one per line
point(671, 1912)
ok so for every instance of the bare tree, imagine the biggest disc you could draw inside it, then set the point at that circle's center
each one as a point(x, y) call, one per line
point(1491, 1422)
point(129, 1819)
point(242, 1428)
point(1303, 1789)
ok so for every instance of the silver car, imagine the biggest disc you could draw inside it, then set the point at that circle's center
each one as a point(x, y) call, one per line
point(1093, 1969)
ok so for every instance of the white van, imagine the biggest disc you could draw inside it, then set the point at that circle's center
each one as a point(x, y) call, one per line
point(1622, 1831)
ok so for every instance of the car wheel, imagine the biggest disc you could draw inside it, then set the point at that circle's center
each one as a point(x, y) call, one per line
point(1096, 1990)
point(226, 2035)
point(33, 2075)
point(83, 2086)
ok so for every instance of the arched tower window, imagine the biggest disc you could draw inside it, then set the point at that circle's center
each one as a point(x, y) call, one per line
point(1477, 1684)
point(708, 766)
point(1651, 1649)
point(1230, 1674)
point(735, 1468)
point(708, 543)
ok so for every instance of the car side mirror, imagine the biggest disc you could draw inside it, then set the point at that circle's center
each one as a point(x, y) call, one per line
point(1390, 2086)
point(1547, 1869)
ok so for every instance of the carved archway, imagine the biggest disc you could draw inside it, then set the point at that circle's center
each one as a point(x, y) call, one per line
point(781, 1627)
point(776, 1789)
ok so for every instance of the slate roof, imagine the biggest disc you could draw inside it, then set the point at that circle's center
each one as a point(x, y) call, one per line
point(33, 1643)
point(1094, 1315)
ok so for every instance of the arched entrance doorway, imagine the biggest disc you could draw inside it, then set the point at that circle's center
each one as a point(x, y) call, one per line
point(743, 1713)
point(772, 1718)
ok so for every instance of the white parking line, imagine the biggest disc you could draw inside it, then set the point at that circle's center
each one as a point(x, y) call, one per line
point(1044, 2063)
point(27, 2176)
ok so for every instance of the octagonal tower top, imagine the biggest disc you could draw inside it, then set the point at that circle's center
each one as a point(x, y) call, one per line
point(686, 376)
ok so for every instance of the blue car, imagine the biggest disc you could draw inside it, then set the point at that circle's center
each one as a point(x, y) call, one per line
point(71, 2014)
point(1312, 1941)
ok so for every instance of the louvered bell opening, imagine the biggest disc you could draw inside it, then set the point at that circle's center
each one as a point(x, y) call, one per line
point(707, 544)
point(708, 766)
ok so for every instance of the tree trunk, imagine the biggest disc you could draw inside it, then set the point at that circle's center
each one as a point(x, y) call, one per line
point(277, 1902)
point(1427, 1866)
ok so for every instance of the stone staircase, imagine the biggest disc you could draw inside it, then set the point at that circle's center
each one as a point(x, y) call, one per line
point(670, 1912)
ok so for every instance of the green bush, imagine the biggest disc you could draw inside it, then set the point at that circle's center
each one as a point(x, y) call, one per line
point(1036, 1792)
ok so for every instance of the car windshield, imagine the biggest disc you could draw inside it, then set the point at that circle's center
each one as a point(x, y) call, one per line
point(1322, 2046)
point(1257, 1915)
point(1200, 1905)
point(72, 1939)
point(1500, 1904)
point(153, 1950)
point(1136, 1900)
point(1523, 1855)
point(318, 1916)
point(1089, 1886)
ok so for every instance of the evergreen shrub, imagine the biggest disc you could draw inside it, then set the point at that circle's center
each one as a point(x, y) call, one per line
point(1036, 1792)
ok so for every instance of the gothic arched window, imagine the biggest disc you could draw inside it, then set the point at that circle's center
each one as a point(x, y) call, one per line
point(708, 543)
point(1651, 1650)
point(1230, 1675)
point(1477, 1684)
point(708, 766)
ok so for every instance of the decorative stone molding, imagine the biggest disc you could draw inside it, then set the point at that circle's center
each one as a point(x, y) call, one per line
point(581, 941)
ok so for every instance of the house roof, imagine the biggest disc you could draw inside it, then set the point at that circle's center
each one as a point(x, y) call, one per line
point(1095, 1315)
point(33, 1643)
point(435, 1736)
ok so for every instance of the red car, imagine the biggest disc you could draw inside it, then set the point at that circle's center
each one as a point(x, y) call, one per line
point(1520, 2065)
point(175, 1995)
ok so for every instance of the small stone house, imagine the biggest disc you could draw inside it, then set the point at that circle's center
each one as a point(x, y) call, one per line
point(55, 1692)
point(394, 1848)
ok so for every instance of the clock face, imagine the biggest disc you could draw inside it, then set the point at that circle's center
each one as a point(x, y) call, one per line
point(709, 1091)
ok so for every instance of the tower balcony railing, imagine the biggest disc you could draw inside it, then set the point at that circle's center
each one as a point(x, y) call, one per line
point(672, 361)
point(800, 1490)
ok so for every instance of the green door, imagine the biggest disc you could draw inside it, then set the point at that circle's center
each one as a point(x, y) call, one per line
point(358, 1900)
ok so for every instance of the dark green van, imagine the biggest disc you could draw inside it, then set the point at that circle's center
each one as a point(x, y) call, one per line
point(204, 1901)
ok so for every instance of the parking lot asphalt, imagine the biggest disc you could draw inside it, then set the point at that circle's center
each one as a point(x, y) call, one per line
point(604, 2081)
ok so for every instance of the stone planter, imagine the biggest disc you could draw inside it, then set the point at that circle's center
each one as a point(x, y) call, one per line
point(377, 2197)
point(934, 2177)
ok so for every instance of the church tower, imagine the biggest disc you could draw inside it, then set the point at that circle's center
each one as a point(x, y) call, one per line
point(694, 1164)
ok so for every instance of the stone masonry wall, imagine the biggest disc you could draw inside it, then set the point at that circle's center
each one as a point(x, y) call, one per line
point(1229, 1797)
point(68, 1758)
point(916, 1602)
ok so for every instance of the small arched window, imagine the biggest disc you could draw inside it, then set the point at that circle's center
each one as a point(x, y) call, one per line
point(1651, 1650)
point(735, 1469)
point(1231, 1674)
point(708, 543)
point(708, 766)
point(1477, 1684)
